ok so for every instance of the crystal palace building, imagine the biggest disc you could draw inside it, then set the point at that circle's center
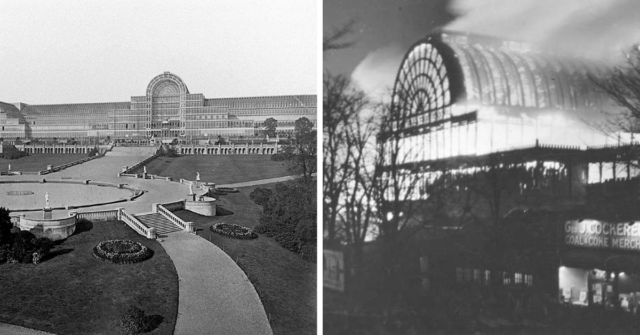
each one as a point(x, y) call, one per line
point(460, 99)
point(167, 110)
point(523, 130)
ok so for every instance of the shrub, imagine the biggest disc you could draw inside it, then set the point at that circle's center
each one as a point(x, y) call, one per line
point(134, 321)
point(122, 251)
point(308, 251)
point(92, 152)
point(170, 152)
point(289, 216)
point(4, 253)
point(25, 248)
point(234, 231)
point(5, 226)
point(11, 152)
point(260, 195)
point(287, 240)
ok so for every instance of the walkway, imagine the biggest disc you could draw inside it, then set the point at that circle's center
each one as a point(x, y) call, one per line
point(258, 182)
point(7, 329)
point(216, 297)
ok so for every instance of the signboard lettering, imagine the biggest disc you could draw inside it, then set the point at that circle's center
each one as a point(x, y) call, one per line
point(596, 234)
point(333, 269)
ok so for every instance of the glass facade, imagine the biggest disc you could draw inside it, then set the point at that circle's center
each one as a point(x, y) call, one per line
point(509, 98)
point(167, 110)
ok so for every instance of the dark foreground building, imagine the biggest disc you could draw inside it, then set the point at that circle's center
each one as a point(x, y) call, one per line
point(167, 110)
point(546, 195)
point(472, 108)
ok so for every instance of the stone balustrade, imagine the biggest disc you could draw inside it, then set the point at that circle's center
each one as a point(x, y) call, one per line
point(228, 149)
point(186, 226)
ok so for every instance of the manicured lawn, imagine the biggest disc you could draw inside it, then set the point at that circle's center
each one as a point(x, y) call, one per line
point(38, 162)
point(286, 283)
point(75, 293)
point(220, 169)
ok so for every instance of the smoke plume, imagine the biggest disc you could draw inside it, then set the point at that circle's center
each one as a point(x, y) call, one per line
point(598, 29)
point(376, 73)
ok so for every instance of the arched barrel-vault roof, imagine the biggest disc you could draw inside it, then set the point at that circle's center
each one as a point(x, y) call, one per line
point(166, 80)
point(438, 71)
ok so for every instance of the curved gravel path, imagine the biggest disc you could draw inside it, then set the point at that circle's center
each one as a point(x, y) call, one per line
point(215, 295)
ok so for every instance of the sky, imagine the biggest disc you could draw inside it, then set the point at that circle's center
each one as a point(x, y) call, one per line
point(73, 51)
point(385, 30)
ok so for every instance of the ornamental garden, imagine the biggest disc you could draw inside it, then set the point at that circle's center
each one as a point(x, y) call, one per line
point(105, 277)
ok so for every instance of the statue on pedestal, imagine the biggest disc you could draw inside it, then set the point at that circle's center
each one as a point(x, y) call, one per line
point(197, 176)
point(190, 188)
point(46, 200)
point(144, 169)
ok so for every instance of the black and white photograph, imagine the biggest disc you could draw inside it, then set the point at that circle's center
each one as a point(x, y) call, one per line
point(480, 167)
point(158, 167)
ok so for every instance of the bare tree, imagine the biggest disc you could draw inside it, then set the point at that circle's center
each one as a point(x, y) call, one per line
point(334, 40)
point(622, 85)
point(359, 211)
point(342, 106)
point(396, 174)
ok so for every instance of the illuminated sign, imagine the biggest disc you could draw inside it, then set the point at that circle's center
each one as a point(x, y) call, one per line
point(333, 270)
point(596, 234)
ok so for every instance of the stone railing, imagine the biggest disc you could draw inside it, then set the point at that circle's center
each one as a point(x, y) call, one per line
point(126, 172)
point(186, 226)
point(105, 215)
point(228, 149)
point(64, 166)
point(174, 206)
point(136, 225)
point(57, 148)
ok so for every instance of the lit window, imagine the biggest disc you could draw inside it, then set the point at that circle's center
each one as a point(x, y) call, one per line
point(487, 277)
point(528, 280)
point(518, 278)
point(506, 279)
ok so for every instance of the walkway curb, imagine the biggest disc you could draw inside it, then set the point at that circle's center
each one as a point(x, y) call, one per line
point(9, 329)
point(216, 296)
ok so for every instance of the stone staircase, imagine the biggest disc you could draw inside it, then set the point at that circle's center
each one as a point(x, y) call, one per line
point(159, 222)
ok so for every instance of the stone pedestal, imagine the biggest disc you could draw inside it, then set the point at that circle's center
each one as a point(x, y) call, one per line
point(46, 213)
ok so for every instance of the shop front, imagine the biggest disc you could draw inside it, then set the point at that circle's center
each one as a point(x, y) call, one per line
point(601, 265)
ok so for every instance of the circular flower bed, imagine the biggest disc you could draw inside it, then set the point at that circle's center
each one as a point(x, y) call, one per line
point(122, 251)
point(227, 189)
point(233, 230)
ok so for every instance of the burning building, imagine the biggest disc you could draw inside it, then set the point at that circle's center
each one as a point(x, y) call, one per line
point(464, 105)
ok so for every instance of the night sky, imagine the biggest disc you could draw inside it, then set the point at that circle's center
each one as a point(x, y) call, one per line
point(385, 29)
point(380, 24)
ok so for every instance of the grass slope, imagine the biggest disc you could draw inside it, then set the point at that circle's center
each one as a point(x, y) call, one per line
point(38, 162)
point(285, 283)
point(75, 293)
point(220, 169)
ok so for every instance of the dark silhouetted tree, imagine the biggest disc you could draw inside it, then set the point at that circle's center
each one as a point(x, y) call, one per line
point(270, 126)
